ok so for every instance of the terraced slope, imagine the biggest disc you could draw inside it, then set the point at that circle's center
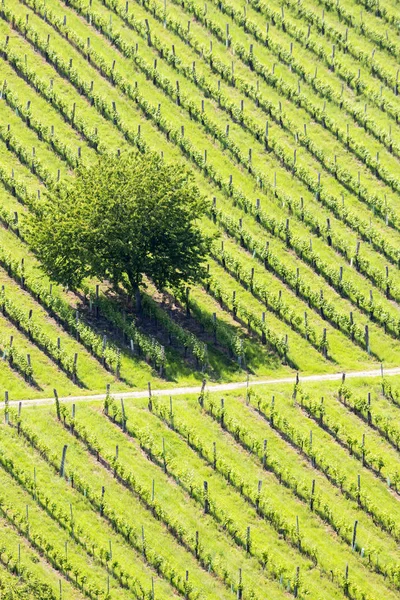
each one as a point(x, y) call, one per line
point(287, 115)
point(273, 492)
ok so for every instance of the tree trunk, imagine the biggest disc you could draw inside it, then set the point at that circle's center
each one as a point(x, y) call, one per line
point(138, 300)
point(134, 281)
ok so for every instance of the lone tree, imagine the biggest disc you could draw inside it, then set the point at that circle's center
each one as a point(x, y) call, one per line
point(122, 219)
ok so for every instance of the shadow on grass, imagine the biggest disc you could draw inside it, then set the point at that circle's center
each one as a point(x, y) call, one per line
point(180, 362)
point(29, 380)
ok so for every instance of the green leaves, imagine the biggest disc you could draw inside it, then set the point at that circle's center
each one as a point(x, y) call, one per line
point(123, 218)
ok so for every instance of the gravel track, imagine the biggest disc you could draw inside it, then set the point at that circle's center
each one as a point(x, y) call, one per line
point(221, 387)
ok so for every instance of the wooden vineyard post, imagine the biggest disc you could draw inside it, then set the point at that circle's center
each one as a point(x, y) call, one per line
point(367, 339)
point(163, 456)
point(387, 283)
point(363, 449)
point(258, 495)
point(240, 586)
point(351, 326)
point(353, 543)
point(19, 560)
point(28, 360)
point(324, 344)
point(296, 582)
point(328, 227)
point(71, 518)
point(196, 545)
point(171, 413)
point(62, 466)
point(346, 580)
point(19, 417)
point(263, 336)
point(150, 404)
point(124, 419)
point(206, 500)
point(201, 396)
point(143, 542)
point(248, 540)
point(306, 325)
point(57, 404)
point(272, 414)
point(264, 458)
point(10, 356)
point(74, 368)
point(382, 380)
point(285, 350)
point(27, 522)
point(312, 495)
point(106, 399)
point(186, 584)
point(6, 408)
point(103, 491)
point(294, 395)
point(321, 412)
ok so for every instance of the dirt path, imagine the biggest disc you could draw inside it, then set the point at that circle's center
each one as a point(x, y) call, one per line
point(222, 387)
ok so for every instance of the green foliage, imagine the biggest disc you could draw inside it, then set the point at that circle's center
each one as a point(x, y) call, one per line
point(124, 218)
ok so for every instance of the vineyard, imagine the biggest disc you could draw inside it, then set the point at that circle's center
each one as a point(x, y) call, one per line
point(282, 493)
point(287, 114)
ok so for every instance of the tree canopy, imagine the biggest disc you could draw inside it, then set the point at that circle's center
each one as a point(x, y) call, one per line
point(122, 219)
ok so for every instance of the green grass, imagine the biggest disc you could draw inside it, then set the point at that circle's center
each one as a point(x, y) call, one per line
point(153, 473)
point(234, 473)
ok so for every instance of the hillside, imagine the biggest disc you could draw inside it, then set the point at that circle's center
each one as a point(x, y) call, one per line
point(287, 114)
point(291, 132)
point(270, 491)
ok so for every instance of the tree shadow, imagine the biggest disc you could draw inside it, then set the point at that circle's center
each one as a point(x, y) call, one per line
point(180, 363)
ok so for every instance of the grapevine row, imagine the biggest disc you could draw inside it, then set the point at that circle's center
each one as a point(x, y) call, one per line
point(34, 332)
point(338, 243)
point(242, 435)
point(249, 124)
point(188, 150)
point(289, 532)
point(64, 520)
